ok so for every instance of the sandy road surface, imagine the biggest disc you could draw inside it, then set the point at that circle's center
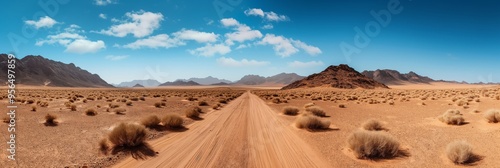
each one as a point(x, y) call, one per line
point(245, 133)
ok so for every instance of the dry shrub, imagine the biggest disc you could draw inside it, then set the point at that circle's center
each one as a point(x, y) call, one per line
point(317, 111)
point(104, 146)
point(452, 117)
point(459, 152)
point(172, 121)
point(493, 116)
point(151, 121)
point(193, 112)
point(30, 101)
point(373, 144)
point(276, 101)
point(33, 108)
point(311, 122)
point(158, 104)
point(341, 105)
point(373, 125)
point(90, 112)
point(127, 135)
point(216, 107)
point(202, 103)
point(73, 107)
point(290, 110)
point(128, 103)
point(50, 120)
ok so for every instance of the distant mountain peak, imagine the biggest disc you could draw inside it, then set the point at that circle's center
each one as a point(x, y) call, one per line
point(341, 76)
point(40, 71)
point(388, 76)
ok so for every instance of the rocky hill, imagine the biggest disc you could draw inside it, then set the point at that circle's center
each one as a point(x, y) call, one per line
point(341, 76)
point(180, 83)
point(40, 71)
point(393, 77)
point(282, 78)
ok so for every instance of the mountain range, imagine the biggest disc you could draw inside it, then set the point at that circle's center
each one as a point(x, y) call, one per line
point(39, 71)
point(144, 83)
point(393, 77)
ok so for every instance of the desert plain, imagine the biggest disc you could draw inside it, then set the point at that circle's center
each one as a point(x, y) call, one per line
point(245, 126)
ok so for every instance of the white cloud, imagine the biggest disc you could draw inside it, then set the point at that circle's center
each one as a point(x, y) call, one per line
point(116, 57)
point(298, 64)
point(268, 26)
point(242, 32)
point(210, 22)
point(241, 46)
point(281, 45)
point(244, 62)
point(200, 37)
point(102, 16)
point(269, 16)
point(42, 22)
point(311, 50)
point(73, 41)
point(104, 2)
point(158, 41)
point(285, 47)
point(228, 22)
point(210, 50)
point(140, 24)
point(82, 46)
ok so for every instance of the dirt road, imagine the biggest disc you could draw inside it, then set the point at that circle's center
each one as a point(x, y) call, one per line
point(245, 133)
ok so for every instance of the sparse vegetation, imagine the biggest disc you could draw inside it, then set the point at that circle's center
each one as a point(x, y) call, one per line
point(104, 146)
point(150, 121)
point(202, 103)
point(452, 117)
point(50, 120)
point(492, 116)
point(373, 125)
point(317, 111)
point(290, 110)
point(73, 107)
point(90, 112)
point(158, 104)
point(373, 144)
point(127, 135)
point(311, 122)
point(172, 120)
point(33, 108)
point(459, 152)
point(193, 112)
point(120, 111)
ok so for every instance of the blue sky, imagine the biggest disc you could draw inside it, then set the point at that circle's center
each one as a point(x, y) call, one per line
point(171, 39)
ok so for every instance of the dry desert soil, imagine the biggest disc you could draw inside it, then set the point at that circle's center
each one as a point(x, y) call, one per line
point(250, 130)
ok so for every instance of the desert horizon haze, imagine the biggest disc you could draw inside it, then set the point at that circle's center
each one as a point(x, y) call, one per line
point(247, 84)
point(149, 40)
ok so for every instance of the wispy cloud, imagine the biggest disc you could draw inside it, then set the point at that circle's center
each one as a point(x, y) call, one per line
point(285, 47)
point(102, 16)
point(157, 41)
point(116, 57)
point(73, 41)
point(241, 63)
point(200, 37)
point(139, 24)
point(105, 2)
point(242, 32)
point(268, 16)
point(210, 50)
point(268, 26)
point(42, 22)
point(311, 50)
point(298, 64)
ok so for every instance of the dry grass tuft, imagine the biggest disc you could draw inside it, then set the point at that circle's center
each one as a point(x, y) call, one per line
point(150, 121)
point(33, 108)
point(202, 103)
point(308, 105)
point(73, 107)
point(311, 122)
point(158, 104)
point(452, 117)
point(290, 110)
point(193, 112)
point(373, 125)
point(50, 120)
point(373, 145)
point(460, 152)
point(128, 135)
point(90, 112)
point(493, 116)
point(120, 111)
point(317, 111)
point(172, 121)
